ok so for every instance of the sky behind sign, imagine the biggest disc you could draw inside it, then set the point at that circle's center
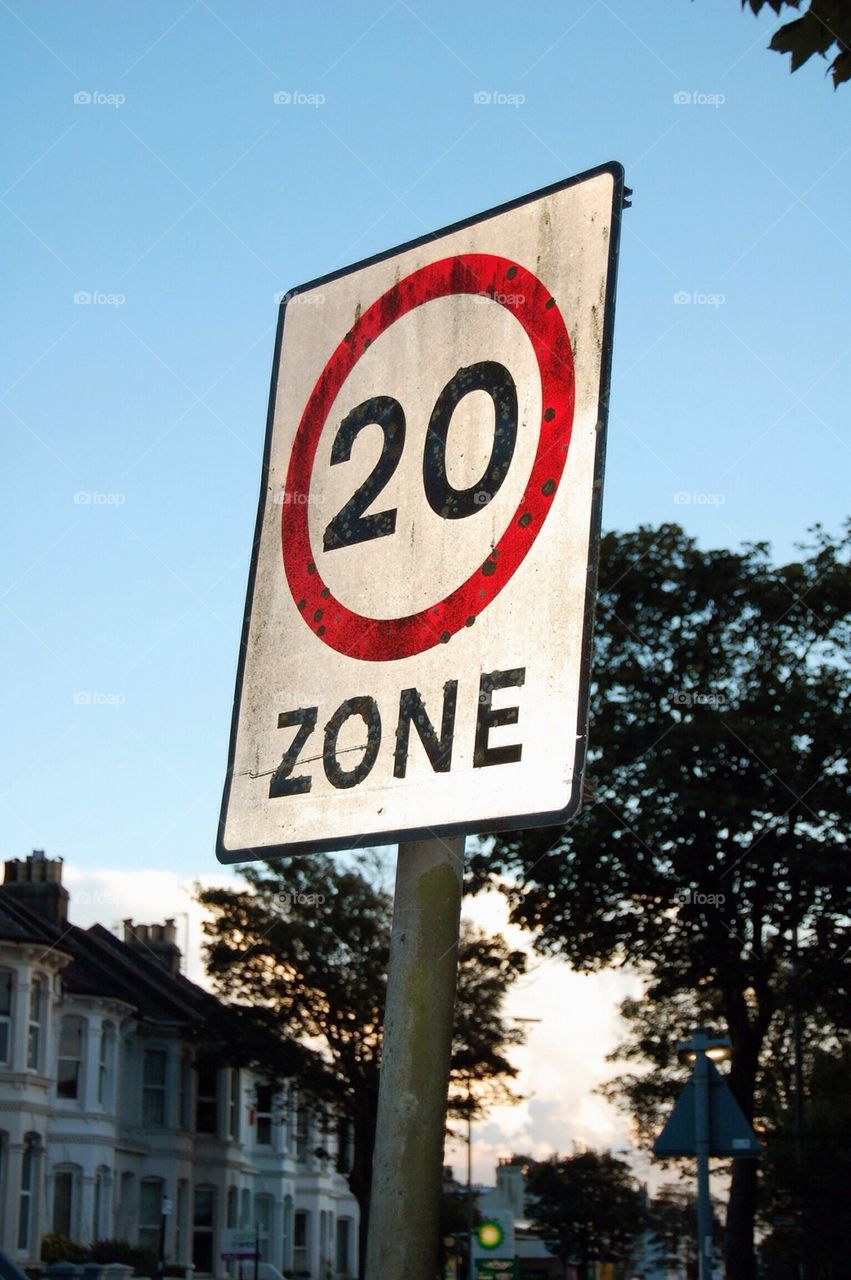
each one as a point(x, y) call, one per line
point(175, 168)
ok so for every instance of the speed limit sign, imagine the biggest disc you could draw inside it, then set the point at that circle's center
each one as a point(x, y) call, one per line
point(416, 644)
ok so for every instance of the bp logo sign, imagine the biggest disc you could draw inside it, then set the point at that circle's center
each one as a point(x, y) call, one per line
point(490, 1235)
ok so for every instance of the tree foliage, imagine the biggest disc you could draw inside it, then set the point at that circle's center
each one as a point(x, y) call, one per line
point(301, 953)
point(587, 1207)
point(711, 853)
point(823, 29)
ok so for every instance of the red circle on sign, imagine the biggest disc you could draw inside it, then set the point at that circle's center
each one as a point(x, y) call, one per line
point(383, 639)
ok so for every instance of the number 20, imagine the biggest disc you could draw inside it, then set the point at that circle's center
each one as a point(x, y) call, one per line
point(350, 526)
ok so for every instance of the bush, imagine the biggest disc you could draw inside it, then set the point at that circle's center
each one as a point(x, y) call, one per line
point(142, 1258)
point(56, 1248)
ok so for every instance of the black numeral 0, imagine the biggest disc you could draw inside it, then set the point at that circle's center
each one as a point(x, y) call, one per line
point(443, 498)
point(351, 526)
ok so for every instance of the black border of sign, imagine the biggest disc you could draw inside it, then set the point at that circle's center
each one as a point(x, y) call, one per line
point(231, 856)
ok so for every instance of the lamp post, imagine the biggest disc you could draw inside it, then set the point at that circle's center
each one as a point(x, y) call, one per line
point(165, 1212)
point(698, 1052)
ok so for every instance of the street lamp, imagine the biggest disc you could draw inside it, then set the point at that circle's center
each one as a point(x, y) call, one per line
point(697, 1052)
point(165, 1213)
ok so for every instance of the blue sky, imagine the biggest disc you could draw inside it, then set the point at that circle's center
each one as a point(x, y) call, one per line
point(151, 170)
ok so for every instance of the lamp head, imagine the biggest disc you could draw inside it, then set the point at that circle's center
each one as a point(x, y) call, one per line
point(716, 1048)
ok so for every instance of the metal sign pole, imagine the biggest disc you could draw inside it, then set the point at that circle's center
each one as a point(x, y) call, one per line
point(407, 1167)
point(702, 1141)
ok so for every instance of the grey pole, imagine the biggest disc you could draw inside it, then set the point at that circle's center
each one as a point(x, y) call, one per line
point(471, 1265)
point(407, 1167)
point(702, 1135)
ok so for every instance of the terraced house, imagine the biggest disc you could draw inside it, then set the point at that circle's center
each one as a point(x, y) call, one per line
point(111, 1110)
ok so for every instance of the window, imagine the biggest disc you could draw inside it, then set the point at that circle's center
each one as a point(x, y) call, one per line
point(180, 1218)
point(70, 1065)
point(153, 1087)
point(290, 1117)
point(288, 1232)
point(28, 1188)
point(106, 1063)
point(185, 1099)
point(6, 977)
point(232, 1212)
point(202, 1228)
point(206, 1108)
point(264, 1114)
point(302, 1136)
point(37, 991)
point(301, 1239)
point(64, 1189)
point(233, 1106)
point(150, 1212)
point(344, 1248)
point(245, 1208)
point(263, 1222)
point(102, 1180)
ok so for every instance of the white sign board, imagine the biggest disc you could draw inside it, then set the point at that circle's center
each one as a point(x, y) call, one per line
point(416, 644)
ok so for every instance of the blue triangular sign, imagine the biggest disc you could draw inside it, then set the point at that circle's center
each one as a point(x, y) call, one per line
point(729, 1132)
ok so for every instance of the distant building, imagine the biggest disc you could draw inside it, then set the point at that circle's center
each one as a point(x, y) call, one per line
point(110, 1108)
point(536, 1261)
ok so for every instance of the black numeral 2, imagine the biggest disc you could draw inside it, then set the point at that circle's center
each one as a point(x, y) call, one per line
point(351, 526)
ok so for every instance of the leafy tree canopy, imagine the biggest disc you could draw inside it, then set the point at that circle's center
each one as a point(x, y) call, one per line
point(824, 29)
point(587, 1207)
point(301, 953)
point(711, 855)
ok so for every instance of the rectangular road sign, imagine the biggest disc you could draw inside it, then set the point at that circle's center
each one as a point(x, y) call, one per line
point(416, 646)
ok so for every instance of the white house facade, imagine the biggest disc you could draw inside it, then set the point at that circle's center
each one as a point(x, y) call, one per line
point(111, 1110)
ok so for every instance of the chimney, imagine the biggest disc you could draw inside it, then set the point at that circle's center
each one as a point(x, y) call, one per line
point(158, 941)
point(37, 885)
